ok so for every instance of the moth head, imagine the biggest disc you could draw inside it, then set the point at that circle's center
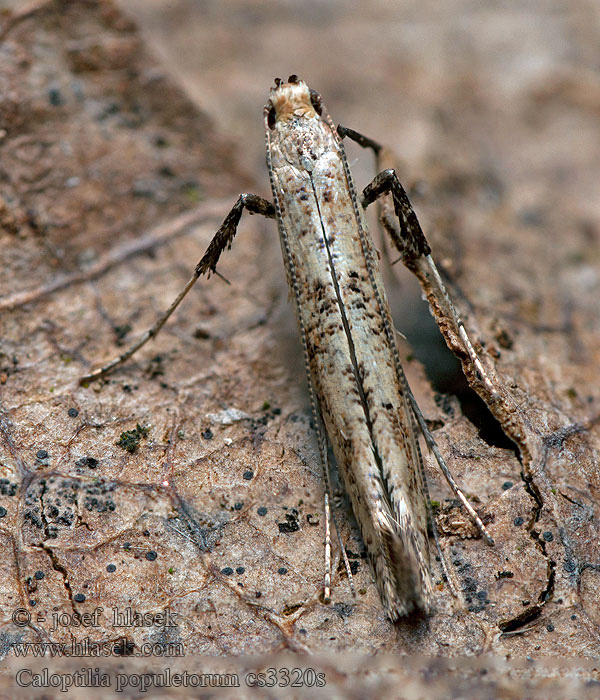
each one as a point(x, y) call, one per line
point(292, 99)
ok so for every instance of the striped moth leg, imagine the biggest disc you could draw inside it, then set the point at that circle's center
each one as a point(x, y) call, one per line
point(414, 250)
point(208, 264)
point(413, 247)
point(415, 253)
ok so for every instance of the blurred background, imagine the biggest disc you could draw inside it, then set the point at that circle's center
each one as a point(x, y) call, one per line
point(494, 82)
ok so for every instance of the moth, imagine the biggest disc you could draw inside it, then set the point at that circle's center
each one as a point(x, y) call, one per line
point(361, 402)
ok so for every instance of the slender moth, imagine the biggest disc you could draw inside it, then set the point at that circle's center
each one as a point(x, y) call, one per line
point(361, 401)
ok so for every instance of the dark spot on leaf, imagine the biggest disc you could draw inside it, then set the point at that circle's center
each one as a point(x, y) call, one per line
point(89, 462)
point(291, 524)
point(54, 97)
point(130, 439)
point(504, 574)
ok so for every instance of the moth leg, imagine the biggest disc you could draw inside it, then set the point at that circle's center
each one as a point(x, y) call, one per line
point(208, 263)
point(360, 139)
point(432, 446)
point(324, 460)
point(384, 158)
point(415, 253)
point(412, 245)
point(328, 511)
point(330, 515)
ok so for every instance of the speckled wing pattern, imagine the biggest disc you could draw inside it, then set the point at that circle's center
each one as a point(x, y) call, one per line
point(348, 337)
